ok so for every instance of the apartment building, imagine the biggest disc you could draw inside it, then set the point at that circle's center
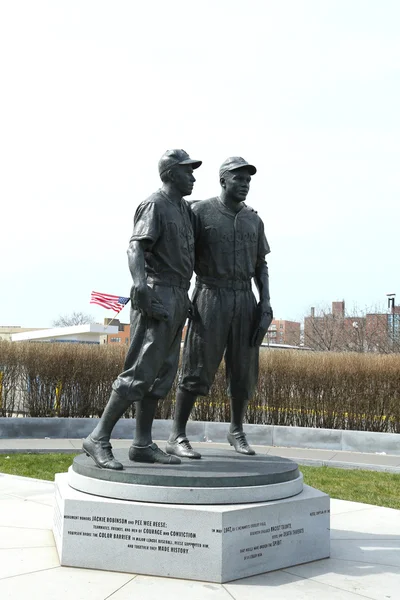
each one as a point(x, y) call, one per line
point(282, 331)
point(122, 337)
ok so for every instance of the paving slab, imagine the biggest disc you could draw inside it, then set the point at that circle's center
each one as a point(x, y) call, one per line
point(16, 561)
point(324, 455)
point(24, 487)
point(375, 522)
point(159, 588)
point(368, 580)
point(64, 584)
point(367, 458)
point(15, 537)
point(47, 499)
point(35, 444)
point(339, 507)
point(16, 512)
point(374, 551)
point(281, 585)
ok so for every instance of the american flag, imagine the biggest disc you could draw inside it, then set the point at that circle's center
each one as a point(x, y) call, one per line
point(116, 303)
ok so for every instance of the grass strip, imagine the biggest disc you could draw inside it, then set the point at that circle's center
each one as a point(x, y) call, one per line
point(37, 466)
point(356, 485)
point(369, 487)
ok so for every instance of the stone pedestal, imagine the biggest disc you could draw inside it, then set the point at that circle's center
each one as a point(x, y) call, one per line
point(144, 530)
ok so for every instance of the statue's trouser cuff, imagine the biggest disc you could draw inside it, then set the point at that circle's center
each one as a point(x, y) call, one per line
point(223, 325)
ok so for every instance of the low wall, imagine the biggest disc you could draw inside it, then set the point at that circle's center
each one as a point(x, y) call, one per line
point(200, 431)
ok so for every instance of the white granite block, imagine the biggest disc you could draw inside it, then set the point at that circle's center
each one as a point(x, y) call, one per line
point(214, 543)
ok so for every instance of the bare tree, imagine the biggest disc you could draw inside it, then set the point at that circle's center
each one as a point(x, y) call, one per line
point(355, 331)
point(326, 330)
point(75, 318)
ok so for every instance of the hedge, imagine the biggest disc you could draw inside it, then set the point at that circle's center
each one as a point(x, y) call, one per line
point(306, 389)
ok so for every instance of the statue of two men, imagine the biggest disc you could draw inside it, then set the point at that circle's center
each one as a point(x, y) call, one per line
point(223, 241)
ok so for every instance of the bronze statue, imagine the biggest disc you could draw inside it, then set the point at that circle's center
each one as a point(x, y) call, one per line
point(230, 249)
point(161, 259)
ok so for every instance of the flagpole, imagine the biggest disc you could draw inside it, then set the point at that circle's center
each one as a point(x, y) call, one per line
point(115, 316)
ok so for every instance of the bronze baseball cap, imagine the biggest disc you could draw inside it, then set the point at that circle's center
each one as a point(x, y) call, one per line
point(170, 158)
point(236, 162)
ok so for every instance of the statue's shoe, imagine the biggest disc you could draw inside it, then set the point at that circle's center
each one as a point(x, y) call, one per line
point(181, 447)
point(239, 442)
point(101, 453)
point(152, 454)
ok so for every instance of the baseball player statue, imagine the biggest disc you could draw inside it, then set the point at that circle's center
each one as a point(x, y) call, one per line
point(230, 249)
point(161, 259)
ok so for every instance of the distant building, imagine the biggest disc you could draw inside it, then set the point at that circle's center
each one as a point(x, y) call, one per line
point(6, 331)
point(89, 333)
point(333, 331)
point(122, 336)
point(383, 330)
point(284, 332)
point(371, 332)
point(338, 309)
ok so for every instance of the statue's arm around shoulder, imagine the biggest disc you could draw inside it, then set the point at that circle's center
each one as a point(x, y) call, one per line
point(194, 217)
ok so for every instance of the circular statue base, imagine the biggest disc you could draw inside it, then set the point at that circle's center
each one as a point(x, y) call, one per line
point(219, 477)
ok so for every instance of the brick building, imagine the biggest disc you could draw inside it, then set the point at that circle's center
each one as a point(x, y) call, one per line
point(123, 335)
point(383, 330)
point(284, 332)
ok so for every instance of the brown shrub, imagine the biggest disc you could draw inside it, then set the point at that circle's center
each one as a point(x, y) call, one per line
point(308, 389)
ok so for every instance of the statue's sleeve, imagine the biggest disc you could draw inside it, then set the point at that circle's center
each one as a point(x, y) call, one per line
point(146, 224)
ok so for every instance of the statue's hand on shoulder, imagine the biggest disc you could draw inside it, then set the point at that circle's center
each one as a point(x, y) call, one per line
point(146, 300)
point(263, 320)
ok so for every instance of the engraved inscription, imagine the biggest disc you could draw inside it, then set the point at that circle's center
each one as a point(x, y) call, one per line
point(148, 535)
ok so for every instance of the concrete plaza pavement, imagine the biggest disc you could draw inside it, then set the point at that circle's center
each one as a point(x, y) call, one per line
point(365, 544)
point(364, 563)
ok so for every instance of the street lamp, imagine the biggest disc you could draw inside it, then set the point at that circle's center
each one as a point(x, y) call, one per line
point(391, 299)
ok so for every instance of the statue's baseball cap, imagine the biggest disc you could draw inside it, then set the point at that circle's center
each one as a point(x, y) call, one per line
point(236, 162)
point(170, 158)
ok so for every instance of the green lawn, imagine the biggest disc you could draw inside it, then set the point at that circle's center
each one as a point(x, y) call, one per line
point(38, 466)
point(371, 487)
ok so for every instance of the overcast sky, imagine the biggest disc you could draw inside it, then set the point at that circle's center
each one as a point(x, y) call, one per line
point(93, 92)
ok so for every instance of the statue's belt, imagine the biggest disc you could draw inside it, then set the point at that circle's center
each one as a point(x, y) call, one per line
point(169, 281)
point(231, 284)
